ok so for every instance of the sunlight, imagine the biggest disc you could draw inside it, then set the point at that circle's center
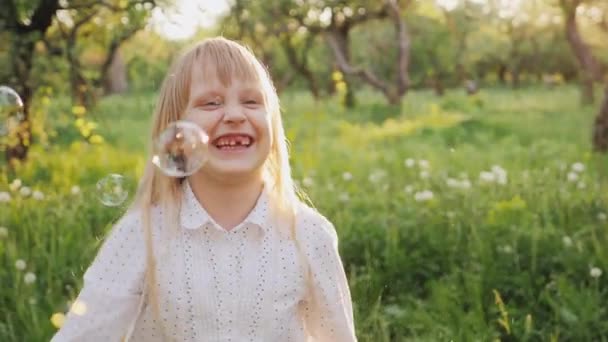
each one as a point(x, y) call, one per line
point(448, 5)
point(185, 17)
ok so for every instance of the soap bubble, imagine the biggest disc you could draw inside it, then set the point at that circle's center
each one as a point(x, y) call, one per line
point(112, 190)
point(11, 109)
point(181, 149)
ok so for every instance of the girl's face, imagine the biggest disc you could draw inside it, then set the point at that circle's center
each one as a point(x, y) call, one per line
point(235, 118)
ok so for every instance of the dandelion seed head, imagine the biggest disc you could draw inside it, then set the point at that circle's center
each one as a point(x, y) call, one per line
point(20, 264)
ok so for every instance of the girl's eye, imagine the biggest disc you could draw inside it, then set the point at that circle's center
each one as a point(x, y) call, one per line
point(210, 104)
point(251, 102)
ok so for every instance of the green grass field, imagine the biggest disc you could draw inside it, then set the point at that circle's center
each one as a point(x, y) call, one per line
point(460, 218)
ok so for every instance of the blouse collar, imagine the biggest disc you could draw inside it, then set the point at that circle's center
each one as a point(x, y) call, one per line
point(194, 216)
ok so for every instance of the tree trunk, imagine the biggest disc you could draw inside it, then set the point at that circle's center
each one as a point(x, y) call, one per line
point(516, 81)
point(337, 37)
point(438, 85)
point(502, 74)
point(23, 50)
point(587, 95)
point(600, 128)
point(301, 65)
point(590, 68)
point(115, 80)
point(78, 84)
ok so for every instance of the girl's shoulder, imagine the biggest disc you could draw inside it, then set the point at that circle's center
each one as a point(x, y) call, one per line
point(312, 225)
point(132, 221)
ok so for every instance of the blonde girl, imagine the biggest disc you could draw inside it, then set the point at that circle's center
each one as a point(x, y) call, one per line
point(229, 253)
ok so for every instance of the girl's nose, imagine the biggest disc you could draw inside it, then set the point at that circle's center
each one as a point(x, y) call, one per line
point(234, 114)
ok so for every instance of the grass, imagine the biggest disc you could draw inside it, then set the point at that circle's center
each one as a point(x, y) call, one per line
point(427, 258)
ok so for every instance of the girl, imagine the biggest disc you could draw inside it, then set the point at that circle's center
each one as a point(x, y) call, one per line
point(229, 253)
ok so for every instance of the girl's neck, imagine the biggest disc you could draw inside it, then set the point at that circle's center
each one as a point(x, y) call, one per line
point(227, 203)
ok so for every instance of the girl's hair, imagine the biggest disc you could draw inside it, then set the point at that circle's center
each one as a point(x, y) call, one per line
point(228, 61)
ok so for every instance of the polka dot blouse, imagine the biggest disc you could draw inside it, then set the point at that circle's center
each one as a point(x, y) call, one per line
point(252, 283)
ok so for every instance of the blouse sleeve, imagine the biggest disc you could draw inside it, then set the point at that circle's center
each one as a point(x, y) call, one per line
point(328, 312)
point(109, 299)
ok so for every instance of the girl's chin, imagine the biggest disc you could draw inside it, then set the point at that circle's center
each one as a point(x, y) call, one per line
point(233, 168)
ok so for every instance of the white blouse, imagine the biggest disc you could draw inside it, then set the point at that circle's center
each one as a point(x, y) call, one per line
point(247, 284)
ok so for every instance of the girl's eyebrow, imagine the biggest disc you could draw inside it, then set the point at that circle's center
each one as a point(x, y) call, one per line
point(204, 95)
point(251, 90)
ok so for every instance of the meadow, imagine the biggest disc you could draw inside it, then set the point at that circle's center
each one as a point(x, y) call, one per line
point(461, 218)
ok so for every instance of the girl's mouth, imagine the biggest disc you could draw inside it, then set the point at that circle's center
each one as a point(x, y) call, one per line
point(233, 142)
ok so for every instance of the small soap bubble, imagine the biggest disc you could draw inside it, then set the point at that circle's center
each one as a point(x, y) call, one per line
point(112, 190)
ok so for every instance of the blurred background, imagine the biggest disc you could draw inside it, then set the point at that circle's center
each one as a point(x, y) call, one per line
point(458, 146)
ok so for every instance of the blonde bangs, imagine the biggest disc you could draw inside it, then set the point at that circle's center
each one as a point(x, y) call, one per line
point(226, 61)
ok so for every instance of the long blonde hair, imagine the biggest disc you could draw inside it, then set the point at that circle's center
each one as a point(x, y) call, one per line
point(226, 60)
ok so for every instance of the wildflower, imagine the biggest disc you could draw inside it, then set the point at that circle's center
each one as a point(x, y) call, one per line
point(460, 184)
point(29, 278)
point(423, 196)
point(25, 191)
point(578, 167)
point(3, 232)
point(567, 241)
point(424, 174)
point(595, 272)
point(344, 197)
point(307, 181)
point(581, 185)
point(15, 184)
point(408, 189)
point(424, 164)
point(5, 196)
point(453, 183)
point(500, 173)
point(75, 190)
point(572, 176)
point(78, 307)
point(57, 319)
point(376, 176)
point(347, 176)
point(20, 264)
point(79, 110)
point(487, 177)
point(96, 139)
point(409, 162)
point(38, 195)
point(506, 249)
point(601, 216)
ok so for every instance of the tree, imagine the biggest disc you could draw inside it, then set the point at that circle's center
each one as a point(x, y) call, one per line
point(103, 26)
point(24, 34)
point(26, 24)
point(250, 21)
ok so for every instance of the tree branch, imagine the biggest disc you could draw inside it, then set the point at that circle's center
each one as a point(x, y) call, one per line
point(346, 68)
